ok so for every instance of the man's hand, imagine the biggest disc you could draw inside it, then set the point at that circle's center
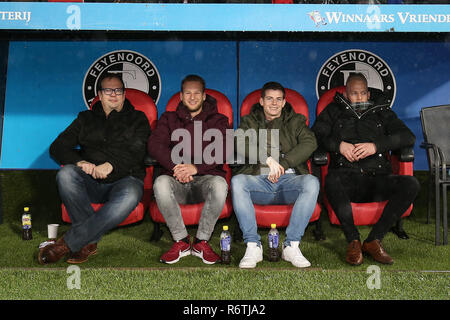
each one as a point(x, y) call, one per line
point(184, 172)
point(87, 167)
point(363, 150)
point(347, 150)
point(276, 170)
point(102, 171)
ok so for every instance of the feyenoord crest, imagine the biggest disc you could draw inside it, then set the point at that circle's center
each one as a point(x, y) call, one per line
point(136, 70)
point(335, 71)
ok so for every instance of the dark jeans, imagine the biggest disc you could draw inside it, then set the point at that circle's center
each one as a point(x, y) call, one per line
point(343, 187)
point(78, 190)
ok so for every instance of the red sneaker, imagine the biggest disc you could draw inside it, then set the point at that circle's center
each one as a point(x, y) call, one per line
point(205, 252)
point(178, 250)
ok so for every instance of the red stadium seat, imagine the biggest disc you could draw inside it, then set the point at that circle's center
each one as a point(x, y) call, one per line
point(278, 214)
point(191, 212)
point(143, 102)
point(363, 213)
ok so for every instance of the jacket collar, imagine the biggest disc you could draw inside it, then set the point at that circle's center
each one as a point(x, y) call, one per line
point(377, 97)
point(97, 108)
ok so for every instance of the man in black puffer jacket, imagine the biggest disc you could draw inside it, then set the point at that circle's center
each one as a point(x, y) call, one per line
point(358, 129)
point(108, 167)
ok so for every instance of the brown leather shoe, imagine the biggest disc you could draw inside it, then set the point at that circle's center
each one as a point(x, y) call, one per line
point(376, 250)
point(83, 255)
point(53, 252)
point(354, 253)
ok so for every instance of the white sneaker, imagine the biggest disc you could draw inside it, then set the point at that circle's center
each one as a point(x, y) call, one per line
point(293, 254)
point(253, 255)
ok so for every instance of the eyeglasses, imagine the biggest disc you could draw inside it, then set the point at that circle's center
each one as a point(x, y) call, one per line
point(117, 91)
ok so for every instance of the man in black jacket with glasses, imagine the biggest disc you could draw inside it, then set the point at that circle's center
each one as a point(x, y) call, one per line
point(102, 153)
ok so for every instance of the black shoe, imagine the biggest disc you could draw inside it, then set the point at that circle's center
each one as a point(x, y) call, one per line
point(399, 233)
point(319, 235)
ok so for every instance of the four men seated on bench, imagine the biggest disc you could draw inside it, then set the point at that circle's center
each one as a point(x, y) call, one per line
point(358, 129)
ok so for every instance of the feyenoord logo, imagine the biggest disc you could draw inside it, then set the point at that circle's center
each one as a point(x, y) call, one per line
point(335, 71)
point(136, 70)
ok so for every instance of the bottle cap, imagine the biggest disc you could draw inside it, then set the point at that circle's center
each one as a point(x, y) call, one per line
point(26, 209)
point(273, 225)
point(225, 228)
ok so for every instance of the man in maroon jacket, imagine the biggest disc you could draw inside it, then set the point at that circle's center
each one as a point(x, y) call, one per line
point(188, 176)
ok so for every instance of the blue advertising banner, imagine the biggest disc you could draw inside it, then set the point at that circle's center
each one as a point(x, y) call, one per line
point(225, 17)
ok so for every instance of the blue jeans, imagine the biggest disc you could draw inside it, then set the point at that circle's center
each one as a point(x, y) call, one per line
point(78, 190)
point(301, 190)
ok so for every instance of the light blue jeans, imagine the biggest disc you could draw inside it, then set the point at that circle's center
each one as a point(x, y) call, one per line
point(301, 190)
point(78, 190)
point(169, 194)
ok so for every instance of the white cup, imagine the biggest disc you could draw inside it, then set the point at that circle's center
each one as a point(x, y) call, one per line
point(52, 231)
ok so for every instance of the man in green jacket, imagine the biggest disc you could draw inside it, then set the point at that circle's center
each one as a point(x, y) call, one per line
point(279, 176)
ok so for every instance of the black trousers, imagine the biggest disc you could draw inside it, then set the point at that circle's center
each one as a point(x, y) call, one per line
point(344, 187)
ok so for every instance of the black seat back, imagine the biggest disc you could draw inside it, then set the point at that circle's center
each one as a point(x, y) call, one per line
point(436, 131)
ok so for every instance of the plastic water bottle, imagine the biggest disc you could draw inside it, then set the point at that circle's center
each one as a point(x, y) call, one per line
point(26, 224)
point(274, 240)
point(225, 245)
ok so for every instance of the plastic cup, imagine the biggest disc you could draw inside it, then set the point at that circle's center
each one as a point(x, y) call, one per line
point(52, 231)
